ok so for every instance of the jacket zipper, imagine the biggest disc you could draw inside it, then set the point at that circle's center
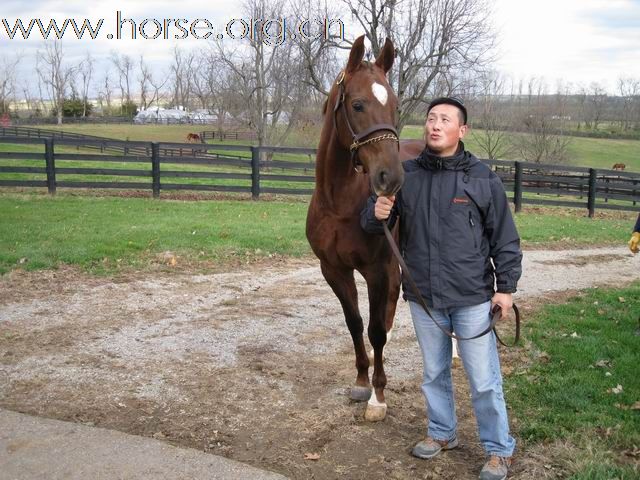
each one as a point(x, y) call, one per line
point(473, 233)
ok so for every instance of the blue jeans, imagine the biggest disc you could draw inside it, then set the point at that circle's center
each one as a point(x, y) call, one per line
point(480, 360)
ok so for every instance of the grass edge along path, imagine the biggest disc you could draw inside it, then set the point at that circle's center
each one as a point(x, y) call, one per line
point(102, 235)
point(578, 391)
point(106, 234)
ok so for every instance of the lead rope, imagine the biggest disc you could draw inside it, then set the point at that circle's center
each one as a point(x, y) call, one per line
point(496, 310)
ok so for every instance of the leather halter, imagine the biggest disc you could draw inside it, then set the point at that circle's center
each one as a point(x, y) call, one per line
point(357, 137)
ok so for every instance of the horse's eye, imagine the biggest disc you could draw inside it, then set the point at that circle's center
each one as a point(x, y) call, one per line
point(358, 107)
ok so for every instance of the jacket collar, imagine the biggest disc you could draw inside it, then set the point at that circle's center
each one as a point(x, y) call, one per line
point(458, 161)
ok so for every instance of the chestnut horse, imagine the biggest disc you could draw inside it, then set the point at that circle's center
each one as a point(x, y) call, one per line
point(359, 153)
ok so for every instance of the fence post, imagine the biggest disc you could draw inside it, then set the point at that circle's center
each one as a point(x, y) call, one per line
point(255, 173)
point(155, 168)
point(517, 187)
point(591, 199)
point(50, 165)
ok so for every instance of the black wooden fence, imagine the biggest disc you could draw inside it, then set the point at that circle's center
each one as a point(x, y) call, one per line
point(258, 170)
point(228, 135)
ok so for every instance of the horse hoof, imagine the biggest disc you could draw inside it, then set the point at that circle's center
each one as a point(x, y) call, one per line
point(375, 413)
point(360, 394)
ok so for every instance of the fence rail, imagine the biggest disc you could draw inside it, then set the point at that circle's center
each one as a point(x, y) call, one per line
point(250, 169)
point(227, 135)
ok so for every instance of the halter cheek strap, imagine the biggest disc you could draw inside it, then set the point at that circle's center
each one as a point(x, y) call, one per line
point(357, 137)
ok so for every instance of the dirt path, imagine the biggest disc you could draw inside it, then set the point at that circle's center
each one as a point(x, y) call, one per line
point(251, 364)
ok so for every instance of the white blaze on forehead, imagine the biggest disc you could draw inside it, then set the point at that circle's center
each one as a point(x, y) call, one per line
point(380, 92)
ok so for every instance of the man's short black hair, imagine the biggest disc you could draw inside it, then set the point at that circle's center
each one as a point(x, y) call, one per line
point(455, 101)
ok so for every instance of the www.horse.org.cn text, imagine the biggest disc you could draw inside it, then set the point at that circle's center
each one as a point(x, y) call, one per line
point(272, 32)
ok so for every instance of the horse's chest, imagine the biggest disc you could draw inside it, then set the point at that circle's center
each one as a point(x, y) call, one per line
point(339, 241)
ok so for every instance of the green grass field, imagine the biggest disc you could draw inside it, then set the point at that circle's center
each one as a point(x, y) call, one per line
point(581, 386)
point(103, 233)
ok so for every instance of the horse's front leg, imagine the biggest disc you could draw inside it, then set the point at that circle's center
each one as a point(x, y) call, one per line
point(344, 286)
point(381, 293)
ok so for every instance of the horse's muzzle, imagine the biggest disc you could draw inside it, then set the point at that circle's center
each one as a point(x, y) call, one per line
point(386, 182)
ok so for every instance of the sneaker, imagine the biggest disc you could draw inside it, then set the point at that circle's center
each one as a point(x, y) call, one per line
point(431, 447)
point(496, 468)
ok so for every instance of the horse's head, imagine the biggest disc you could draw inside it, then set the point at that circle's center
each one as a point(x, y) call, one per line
point(367, 124)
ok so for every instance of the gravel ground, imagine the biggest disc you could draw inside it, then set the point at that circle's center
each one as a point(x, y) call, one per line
point(253, 364)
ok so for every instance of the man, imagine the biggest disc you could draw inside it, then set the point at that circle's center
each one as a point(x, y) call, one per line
point(635, 237)
point(454, 222)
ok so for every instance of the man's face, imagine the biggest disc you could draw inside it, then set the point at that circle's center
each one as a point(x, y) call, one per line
point(443, 129)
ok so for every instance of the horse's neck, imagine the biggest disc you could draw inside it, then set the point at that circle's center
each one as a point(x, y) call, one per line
point(338, 185)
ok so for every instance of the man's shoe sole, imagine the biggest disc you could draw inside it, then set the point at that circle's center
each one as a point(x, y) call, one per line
point(449, 446)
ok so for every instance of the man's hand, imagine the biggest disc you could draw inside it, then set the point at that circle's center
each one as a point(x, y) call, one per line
point(633, 243)
point(383, 207)
point(505, 300)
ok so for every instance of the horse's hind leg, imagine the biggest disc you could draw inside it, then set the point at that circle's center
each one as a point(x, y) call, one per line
point(344, 286)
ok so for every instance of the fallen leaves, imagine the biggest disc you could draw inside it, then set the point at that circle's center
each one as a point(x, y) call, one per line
point(635, 406)
point(544, 357)
point(168, 258)
point(635, 452)
point(603, 364)
point(615, 390)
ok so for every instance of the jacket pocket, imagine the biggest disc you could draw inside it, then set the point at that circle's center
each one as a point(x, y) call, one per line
point(472, 225)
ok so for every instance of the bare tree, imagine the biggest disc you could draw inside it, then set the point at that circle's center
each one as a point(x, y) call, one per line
point(105, 95)
point(491, 115)
point(596, 103)
point(266, 77)
point(182, 75)
point(215, 84)
point(629, 89)
point(29, 101)
point(433, 39)
point(85, 71)
point(203, 81)
point(144, 80)
point(318, 51)
point(543, 140)
point(55, 75)
point(124, 67)
point(8, 82)
point(157, 84)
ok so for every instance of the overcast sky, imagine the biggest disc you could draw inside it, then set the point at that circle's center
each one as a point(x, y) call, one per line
point(575, 41)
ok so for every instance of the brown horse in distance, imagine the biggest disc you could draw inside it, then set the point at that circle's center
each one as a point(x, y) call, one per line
point(358, 153)
point(619, 166)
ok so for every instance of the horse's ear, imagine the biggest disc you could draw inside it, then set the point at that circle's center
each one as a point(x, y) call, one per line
point(356, 55)
point(386, 56)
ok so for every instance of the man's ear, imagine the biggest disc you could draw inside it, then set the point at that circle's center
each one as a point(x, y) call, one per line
point(463, 130)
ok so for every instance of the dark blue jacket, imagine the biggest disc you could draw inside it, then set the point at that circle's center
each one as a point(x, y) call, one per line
point(457, 234)
point(637, 227)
